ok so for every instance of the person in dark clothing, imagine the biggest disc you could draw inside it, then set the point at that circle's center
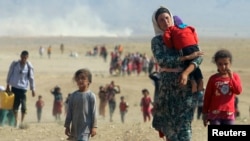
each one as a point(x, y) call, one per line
point(237, 111)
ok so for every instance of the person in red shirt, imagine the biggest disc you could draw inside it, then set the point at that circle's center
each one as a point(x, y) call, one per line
point(146, 101)
point(221, 89)
point(39, 107)
point(123, 108)
point(184, 39)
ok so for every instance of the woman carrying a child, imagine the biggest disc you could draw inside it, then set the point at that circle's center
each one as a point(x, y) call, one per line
point(173, 108)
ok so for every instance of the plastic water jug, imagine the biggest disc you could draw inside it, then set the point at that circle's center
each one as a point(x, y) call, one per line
point(6, 100)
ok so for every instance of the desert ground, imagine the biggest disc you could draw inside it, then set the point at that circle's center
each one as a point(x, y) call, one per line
point(59, 70)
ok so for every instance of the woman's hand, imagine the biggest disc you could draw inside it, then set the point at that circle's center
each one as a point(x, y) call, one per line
point(183, 79)
point(192, 56)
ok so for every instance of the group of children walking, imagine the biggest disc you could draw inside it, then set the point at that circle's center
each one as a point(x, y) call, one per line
point(217, 105)
point(75, 121)
point(57, 104)
point(221, 86)
point(107, 97)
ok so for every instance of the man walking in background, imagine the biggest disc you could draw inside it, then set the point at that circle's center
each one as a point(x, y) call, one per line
point(20, 76)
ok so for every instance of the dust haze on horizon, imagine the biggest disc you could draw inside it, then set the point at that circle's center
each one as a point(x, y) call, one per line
point(120, 18)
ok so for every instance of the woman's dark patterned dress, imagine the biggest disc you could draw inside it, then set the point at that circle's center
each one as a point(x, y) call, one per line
point(174, 105)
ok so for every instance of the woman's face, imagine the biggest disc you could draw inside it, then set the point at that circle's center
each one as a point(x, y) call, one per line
point(164, 21)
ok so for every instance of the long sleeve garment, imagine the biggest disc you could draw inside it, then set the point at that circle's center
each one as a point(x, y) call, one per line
point(19, 77)
point(81, 115)
point(220, 93)
point(173, 106)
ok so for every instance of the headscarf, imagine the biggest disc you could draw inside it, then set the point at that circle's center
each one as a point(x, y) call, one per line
point(159, 11)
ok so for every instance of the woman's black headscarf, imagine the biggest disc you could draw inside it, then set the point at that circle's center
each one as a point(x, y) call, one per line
point(160, 11)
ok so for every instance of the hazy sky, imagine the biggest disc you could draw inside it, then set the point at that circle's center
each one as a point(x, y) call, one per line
point(119, 17)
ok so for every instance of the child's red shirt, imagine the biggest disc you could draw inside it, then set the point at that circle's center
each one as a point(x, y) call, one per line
point(180, 38)
point(220, 93)
point(145, 103)
point(39, 104)
point(123, 106)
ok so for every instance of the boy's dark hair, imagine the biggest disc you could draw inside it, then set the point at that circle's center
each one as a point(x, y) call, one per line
point(57, 88)
point(145, 91)
point(85, 72)
point(122, 97)
point(223, 53)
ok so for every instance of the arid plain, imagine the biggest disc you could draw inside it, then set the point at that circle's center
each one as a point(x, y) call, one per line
point(59, 70)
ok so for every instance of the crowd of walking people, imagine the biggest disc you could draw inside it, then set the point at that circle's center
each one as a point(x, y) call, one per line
point(177, 95)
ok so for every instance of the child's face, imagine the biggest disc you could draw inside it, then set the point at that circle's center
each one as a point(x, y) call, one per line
point(223, 65)
point(58, 90)
point(82, 82)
